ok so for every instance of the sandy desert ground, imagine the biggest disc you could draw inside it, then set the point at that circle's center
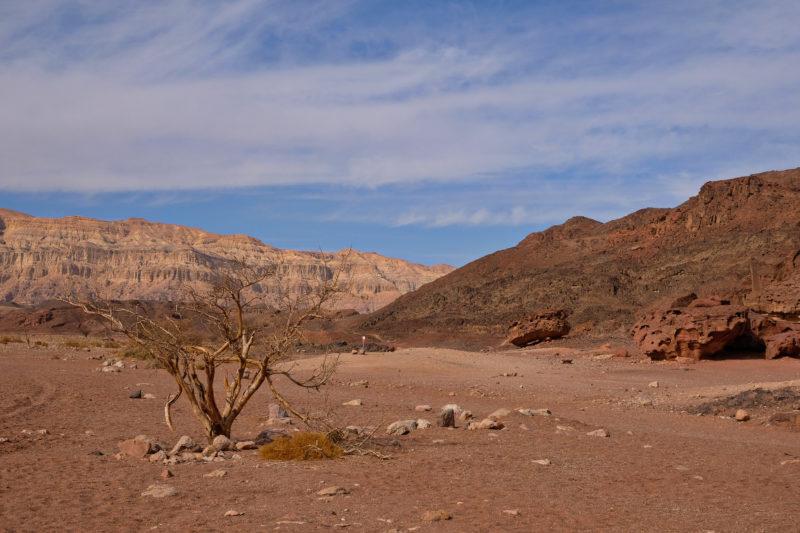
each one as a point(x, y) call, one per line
point(661, 469)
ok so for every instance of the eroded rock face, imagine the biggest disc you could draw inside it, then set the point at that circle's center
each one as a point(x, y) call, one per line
point(551, 324)
point(786, 344)
point(694, 332)
point(41, 259)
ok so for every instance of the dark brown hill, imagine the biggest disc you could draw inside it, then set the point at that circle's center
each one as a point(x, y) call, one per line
point(605, 273)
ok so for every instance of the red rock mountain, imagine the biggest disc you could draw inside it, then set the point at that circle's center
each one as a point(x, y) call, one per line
point(738, 238)
point(41, 259)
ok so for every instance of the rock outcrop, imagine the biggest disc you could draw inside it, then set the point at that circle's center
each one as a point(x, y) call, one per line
point(702, 328)
point(549, 324)
point(41, 259)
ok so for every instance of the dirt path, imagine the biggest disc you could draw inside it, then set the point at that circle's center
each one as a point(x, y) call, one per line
point(661, 469)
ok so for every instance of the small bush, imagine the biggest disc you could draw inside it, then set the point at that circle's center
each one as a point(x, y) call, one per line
point(300, 447)
point(133, 350)
point(5, 339)
point(80, 345)
point(111, 343)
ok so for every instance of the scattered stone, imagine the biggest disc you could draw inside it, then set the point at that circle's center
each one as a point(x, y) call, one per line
point(221, 443)
point(160, 455)
point(500, 413)
point(109, 369)
point(436, 515)
point(446, 418)
point(245, 445)
point(277, 411)
point(566, 361)
point(653, 384)
point(333, 491)
point(269, 435)
point(543, 462)
point(234, 513)
point(534, 412)
point(209, 451)
point(136, 394)
point(401, 427)
point(149, 396)
point(97, 453)
point(160, 490)
point(119, 364)
point(355, 403)
point(216, 473)
point(606, 346)
point(549, 324)
point(465, 416)
point(451, 393)
point(512, 512)
point(423, 408)
point(134, 448)
point(488, 423)
point(166, 474)
point(354, 351)
point(423, 424)
point(621, 353)
point(363, 383)
point(185, 444)
point(742, 416)
point(599, 433)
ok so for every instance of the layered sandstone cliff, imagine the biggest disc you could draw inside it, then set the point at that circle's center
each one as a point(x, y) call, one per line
point(41, 259)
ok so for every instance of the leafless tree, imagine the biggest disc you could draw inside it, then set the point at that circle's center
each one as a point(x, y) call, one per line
point(237, 335)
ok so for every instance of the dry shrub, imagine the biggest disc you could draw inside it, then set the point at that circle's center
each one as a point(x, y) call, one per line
point(80, 345)
point(301, 447)
point(5, 339)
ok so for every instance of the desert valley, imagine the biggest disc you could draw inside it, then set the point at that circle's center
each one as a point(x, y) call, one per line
point(641, 374)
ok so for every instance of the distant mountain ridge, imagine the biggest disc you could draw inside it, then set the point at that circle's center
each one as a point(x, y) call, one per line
point(739, 238)
point(42, 258)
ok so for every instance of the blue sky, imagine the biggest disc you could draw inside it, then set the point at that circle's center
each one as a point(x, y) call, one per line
point(431, 131)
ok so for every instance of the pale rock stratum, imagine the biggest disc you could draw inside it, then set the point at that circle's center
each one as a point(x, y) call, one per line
point(41, 259)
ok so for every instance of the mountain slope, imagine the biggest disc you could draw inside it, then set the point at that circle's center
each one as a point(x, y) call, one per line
point(41, 259)
point(604, 273)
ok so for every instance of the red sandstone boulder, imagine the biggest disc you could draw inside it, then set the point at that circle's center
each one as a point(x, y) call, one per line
point(783, 344)
point(694, 332)
point(551, 324)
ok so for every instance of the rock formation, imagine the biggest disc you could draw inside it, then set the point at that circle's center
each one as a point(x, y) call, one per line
point(549, 324)
point(135, 259)
point(737, 238)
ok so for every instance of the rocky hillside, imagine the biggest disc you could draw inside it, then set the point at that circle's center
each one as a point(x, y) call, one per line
point(737, 238)
point(135, 259)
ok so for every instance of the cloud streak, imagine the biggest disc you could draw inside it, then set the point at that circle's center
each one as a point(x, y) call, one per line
point(194, 95)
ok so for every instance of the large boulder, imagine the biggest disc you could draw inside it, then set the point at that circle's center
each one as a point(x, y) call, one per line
point(783, 344)
point(549, 324)
point(696, 332)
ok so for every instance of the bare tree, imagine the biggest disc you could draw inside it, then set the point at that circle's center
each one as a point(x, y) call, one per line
point(235, 336)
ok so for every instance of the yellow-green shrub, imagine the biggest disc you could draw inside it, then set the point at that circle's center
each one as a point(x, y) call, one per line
point(300, 447)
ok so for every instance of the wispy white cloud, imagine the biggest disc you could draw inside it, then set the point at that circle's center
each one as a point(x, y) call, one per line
point(192, 95)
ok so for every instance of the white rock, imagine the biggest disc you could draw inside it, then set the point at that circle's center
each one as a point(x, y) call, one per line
point(401, 427)
point(221, 443)
point(357, 402)
point(160, 490)
point(333, 491)
point(599, 433)
point(423, 424)
point(422, 408)
point(653, 384)
point(234, 513)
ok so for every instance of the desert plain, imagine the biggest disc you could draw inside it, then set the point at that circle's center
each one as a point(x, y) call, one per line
point(662, 467)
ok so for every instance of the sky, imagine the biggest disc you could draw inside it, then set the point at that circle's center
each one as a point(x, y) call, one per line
point(433, 131)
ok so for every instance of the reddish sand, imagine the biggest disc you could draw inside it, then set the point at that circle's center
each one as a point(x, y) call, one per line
point(661, 469)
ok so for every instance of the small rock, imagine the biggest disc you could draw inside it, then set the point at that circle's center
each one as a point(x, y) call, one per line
point(160, 455)
point(357, 402)
point(136, 394)
point(159, 490)
point(221, 443)
point(110, 369)
point(423, 424)
point(276, 411)
point(621, 353)
point(166, 474)
point(500, 413)
point(436, 515)
point(119, 364)
point(534, 412)
point(245, 445)
point(401, 427)
point(333, 491)
point(512, 512)
point(465, 415)
point(524, 427)
point(606, 346)
point(185, 443)
point(566, 361)
point(488, 423)
point(451, 393)
point(653, 384)
point(599, 433)
point(269, 435)
point(234, 513)
point(216, 473)
point(97, 453)
point(149, 396)
point(543, 462)
point(742, 416)
point(134, 448)
point(446, 418)
point(422, 408)
point(209, 451)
